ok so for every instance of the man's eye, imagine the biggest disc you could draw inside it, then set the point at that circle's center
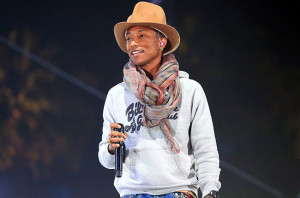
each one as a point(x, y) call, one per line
point(142, 35)
point(128, 39)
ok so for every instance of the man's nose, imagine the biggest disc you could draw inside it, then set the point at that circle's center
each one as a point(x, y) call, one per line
point(133, 43)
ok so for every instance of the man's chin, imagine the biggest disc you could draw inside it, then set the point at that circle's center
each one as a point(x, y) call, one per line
point(139, 64)
point(142, 65)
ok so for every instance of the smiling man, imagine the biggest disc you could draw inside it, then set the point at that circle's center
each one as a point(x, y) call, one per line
point(171, 149)
point(144, 46)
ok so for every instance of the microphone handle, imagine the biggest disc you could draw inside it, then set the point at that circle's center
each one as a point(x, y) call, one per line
point(119, 154)
point(119, 160)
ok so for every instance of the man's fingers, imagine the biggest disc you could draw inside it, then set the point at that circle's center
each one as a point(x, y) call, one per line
point(115, 145)
point(114, 125)
point(116, 140)
point(117, 134)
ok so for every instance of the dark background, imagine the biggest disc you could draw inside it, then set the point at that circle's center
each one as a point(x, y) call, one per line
point(244, 54)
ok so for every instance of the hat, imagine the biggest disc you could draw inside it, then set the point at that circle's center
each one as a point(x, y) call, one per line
point(151, 15)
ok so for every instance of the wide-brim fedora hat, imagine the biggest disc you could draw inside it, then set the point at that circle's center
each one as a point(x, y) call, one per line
point(150, 15)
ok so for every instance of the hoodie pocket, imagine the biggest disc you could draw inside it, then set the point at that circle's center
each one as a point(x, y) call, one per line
point(158, 167)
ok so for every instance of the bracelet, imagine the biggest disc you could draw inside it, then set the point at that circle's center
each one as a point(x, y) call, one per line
point(213, 194)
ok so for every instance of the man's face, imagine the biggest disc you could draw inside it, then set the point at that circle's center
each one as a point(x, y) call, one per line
point(143, 45)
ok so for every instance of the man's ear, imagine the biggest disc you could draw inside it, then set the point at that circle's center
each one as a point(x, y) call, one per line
point(162, 42)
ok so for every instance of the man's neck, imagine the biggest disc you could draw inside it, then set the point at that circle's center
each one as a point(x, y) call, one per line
point(152, 69)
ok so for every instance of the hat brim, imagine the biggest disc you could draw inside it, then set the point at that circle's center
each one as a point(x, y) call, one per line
point(173, 39)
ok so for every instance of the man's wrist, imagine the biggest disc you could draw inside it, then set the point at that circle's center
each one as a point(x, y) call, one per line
point(213, 194)
point(110, 149)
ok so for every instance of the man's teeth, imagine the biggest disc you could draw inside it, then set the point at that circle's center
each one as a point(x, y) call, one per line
point(136, 52)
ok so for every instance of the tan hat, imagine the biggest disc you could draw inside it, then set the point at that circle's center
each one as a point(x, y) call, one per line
point(151, 15)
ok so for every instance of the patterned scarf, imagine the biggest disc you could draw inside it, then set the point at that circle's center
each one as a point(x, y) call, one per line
point(160, 96)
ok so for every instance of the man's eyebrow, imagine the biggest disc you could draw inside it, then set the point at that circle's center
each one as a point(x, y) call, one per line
point(128, 32)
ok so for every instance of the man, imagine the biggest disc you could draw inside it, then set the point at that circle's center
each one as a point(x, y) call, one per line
point(170, 144)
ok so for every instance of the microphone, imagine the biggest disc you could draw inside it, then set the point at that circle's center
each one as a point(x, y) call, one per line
point(119, 154)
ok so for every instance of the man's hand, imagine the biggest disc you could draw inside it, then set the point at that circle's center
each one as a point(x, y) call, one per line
point(115, 137)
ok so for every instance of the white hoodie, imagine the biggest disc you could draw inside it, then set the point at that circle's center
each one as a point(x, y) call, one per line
point(150, 166)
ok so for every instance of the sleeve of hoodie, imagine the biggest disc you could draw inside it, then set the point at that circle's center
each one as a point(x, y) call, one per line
point(106, 159)
point(204, 143)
